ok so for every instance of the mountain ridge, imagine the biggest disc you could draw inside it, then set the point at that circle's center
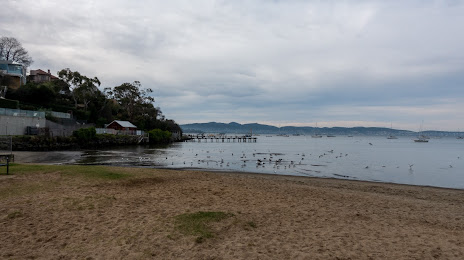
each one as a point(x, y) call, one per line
point(256, 128)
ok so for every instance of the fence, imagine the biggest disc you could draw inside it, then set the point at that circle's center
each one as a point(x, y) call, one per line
point(56, 129)
point(32, 113)
point(59, 114)
point(19, 112)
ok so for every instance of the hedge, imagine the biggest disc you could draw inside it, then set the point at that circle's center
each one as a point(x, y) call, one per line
point(8, 103)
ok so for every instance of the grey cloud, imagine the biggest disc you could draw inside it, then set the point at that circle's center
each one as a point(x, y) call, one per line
point(291, 61)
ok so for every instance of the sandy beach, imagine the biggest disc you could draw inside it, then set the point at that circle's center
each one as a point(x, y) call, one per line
point(69, 212)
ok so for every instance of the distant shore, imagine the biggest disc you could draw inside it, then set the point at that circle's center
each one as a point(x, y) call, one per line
point(106, 212)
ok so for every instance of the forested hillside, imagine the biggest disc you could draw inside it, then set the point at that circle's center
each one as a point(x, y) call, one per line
point(82, 96)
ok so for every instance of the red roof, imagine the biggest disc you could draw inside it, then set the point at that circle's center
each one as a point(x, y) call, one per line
point(41, 72)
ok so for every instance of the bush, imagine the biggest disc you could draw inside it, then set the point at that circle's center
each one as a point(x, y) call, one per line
point(158, 136)
point(8, 103)
point(85, 134)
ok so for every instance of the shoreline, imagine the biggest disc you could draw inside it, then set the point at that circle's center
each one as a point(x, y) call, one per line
point(73, 211)
point(233, 172)
point(70, 157)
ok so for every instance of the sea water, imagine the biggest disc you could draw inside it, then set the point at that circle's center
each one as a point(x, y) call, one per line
point(439, 163)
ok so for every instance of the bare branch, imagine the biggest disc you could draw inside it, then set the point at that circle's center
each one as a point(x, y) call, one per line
point(12, 50)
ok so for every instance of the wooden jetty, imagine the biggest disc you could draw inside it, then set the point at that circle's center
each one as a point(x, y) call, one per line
point(221, 139)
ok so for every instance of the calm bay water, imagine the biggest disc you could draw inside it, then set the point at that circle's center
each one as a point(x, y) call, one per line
point(440, 162)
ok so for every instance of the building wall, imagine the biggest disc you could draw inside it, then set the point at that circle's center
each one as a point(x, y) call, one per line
point(40, 78)
point(15, 82)
point(64, 130)
point(115, 126)
point(16, 71)
point(11, 81)
point(16, 125)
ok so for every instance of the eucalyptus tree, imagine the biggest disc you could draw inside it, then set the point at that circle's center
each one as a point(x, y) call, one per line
point(136, 103)
point(82, 88)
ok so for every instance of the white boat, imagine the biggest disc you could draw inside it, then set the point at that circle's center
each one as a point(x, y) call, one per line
point(421, 138)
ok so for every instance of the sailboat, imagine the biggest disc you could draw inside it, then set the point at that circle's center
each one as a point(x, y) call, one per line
point(283, 135)
point(391, 135)
point(316, 135)
point(250, 134)
point(422, 138)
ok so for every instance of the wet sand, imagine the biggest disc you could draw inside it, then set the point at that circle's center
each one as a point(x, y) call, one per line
point(50, 215)
point(52, 157)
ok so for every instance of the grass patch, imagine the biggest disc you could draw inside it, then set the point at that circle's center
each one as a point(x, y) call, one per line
point(197, 224)
point(99, 172)
point(251, 224)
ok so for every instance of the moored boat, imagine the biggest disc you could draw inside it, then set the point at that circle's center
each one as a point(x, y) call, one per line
point(391, 135)
point(422, 138)
point(316, 135)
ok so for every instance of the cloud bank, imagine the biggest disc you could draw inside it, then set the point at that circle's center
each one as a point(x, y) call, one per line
point(294, 62)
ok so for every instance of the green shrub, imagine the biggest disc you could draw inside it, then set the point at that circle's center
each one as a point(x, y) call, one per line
point(8, 103)
point(85, 134)
point(158, 136)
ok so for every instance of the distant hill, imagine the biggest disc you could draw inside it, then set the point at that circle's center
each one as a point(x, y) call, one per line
point(236, 128)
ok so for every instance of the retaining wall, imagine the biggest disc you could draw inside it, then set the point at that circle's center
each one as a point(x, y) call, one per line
point(16, 125)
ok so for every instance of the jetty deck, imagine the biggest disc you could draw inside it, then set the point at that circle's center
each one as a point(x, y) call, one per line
point(221, 139)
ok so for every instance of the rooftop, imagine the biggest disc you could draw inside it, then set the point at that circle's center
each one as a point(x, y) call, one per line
point(124, 123)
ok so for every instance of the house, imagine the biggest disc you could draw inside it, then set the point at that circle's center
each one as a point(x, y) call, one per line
point(121, 125)
point(12, 74)
point(39, 76)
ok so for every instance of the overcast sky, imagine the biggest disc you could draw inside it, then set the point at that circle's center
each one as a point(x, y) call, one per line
point(293, 62)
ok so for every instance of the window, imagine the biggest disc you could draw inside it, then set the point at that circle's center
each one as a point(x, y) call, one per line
point(14, 68)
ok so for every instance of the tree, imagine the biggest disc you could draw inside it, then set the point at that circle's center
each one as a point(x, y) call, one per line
point(12, 50)
point(136, 102)
point(82, 88)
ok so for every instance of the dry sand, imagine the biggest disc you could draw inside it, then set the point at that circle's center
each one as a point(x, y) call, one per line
point(52, 215)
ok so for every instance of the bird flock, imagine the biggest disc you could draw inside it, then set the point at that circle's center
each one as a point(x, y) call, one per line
point(268, 161)
point(340, 162)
